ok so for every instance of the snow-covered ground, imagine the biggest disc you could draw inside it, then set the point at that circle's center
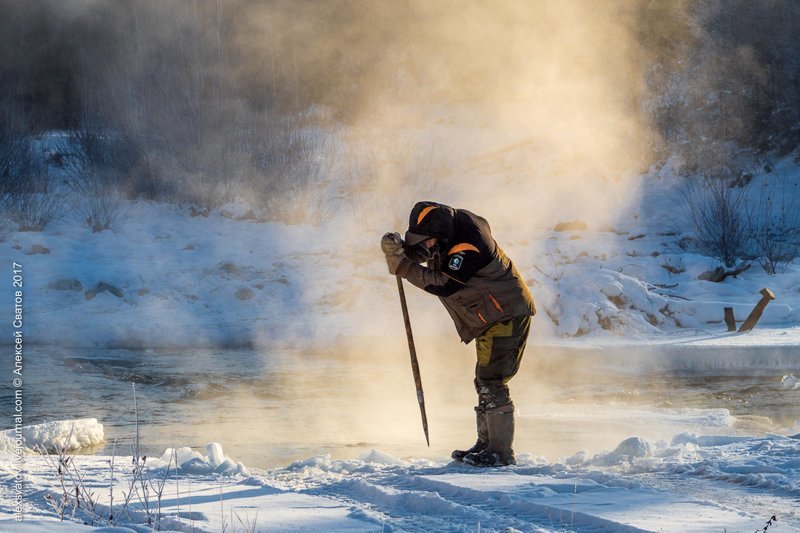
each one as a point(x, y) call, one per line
point(689, 484)
point(164, 279)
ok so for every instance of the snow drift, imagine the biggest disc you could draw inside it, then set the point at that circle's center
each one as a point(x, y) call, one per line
point(69, 435)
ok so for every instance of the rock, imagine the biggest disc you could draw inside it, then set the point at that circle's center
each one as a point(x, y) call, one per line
point(230, 268)
point(249, 215)
point(143, 292)
point(574, 225)
point(719, 274)
point(202, 212)
point(102, 287)
point(244, 293)
point(38, 249)
point(66, 284)
point(674, 269)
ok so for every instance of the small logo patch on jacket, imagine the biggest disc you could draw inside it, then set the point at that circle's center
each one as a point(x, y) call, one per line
point(455, 262)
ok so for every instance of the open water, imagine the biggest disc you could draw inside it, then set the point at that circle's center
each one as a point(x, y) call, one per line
point(269, 409)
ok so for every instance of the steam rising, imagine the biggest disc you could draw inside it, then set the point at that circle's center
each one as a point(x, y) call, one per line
point(536, 103)
point(527, 113)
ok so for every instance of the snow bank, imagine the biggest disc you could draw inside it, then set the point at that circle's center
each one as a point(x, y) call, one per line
point(227, 280)
point(70, 435)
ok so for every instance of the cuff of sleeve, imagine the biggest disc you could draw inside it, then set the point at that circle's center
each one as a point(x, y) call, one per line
point(403, 267)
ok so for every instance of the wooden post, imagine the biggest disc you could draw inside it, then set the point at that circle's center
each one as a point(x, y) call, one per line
point(730, 321)
point(766, 297)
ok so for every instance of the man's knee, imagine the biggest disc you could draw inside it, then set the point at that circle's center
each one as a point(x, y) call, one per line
point(492, 394)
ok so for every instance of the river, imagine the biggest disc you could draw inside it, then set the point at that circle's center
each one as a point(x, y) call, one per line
point(268, 409)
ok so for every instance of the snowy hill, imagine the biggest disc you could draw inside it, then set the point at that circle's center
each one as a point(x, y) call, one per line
point(162, 277)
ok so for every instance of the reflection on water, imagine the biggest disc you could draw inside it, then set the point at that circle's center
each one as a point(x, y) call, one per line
point(268, 409)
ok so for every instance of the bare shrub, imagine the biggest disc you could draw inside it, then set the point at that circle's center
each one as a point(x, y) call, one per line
point(776, 224)
point(17, 160)
point(291, 161)
point(34, 204)
point(142, 493)
point(202, 154)
point(76, 494)
point(26, 193)
point(99, 206)
point(98, 174)
point(717, 213)
point(6, 227)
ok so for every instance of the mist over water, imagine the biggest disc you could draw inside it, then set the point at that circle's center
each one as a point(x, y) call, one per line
point(269, 409)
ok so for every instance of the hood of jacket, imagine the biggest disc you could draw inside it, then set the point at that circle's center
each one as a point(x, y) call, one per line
point(431, 220)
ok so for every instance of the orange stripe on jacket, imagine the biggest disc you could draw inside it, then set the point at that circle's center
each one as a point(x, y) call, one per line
point(463, 247)
point(496, 303)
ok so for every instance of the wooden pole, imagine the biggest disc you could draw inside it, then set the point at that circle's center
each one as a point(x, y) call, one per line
point(766, 297)
point(730, 321)
point(414, 363)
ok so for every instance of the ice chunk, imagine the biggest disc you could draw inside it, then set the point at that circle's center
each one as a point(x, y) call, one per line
point(186, 454)
point(70, 435)
point(242, 470)
point(192, 462)
point(626, 452)
point(227, 467)
point(378, 457)
point(196, 466)
point(215, 455)
point(632, 448)
point(790, 382)
point(684, 438)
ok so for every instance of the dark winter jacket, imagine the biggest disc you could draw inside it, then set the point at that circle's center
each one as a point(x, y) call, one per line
point(477, 283)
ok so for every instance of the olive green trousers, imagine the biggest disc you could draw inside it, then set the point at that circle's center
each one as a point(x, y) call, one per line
point(500, 350)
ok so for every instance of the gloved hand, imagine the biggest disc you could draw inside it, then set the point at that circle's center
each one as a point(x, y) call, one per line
point(392, 246)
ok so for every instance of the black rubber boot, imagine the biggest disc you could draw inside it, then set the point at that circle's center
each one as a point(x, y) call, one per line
point(483, 437)
point(500, 424)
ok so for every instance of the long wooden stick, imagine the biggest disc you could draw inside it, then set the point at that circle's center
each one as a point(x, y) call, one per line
point(414, 363)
